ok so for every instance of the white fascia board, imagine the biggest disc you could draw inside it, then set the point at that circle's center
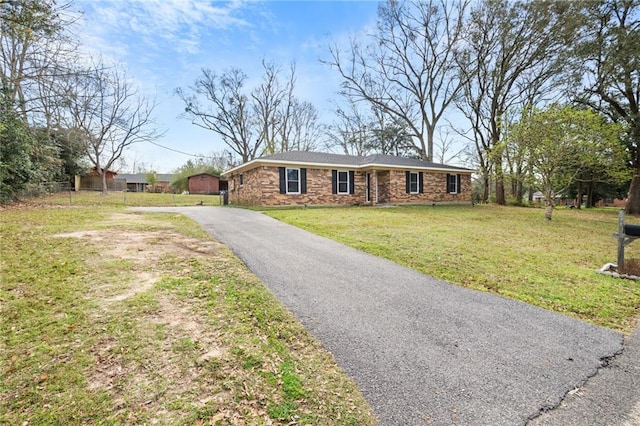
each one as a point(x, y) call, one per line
point(425, 168)
point(294, 164)
point(369, 166)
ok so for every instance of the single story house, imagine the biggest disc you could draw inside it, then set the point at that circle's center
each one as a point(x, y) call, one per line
point(206, 184)
point(315, 178)
point(137, 182)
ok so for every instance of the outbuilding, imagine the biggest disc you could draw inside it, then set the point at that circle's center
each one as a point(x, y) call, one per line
point(206, 184)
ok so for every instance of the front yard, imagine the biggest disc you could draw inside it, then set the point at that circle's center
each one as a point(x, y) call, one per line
point(510, 251)
point(109, 317)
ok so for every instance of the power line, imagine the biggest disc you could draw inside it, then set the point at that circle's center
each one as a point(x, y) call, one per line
point(178, 151)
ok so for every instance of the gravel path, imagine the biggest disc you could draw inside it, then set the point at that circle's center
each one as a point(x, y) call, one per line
point(421, 350)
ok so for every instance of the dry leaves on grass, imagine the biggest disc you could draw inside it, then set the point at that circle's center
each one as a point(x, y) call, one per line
point(175, 348)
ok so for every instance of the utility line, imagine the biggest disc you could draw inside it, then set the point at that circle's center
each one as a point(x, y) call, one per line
point(178, 151)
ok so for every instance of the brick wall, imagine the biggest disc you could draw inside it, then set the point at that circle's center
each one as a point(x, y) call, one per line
point(435, 189)
point(261, 186)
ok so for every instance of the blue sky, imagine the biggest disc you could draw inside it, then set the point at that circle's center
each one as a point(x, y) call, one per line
point(165, 43)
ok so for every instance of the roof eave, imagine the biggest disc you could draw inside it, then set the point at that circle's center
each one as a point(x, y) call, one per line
point(406, 167)
point(368, 166)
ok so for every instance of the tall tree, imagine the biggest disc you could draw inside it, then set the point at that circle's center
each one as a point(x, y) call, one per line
point(34, 50)
point(227, 113)
point(610, 52)
point(266, 120)
point(561, 143)
point(408, 69)
point(269, 100)
point(512, 57)
point(108, 114)
point(348, 132)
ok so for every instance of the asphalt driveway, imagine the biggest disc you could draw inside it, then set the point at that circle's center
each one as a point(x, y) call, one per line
point(421, 350)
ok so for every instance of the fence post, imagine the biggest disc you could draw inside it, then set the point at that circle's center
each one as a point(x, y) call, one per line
point(620, 240)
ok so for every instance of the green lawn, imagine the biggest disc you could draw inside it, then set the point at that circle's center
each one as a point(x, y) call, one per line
point(110, 317)
point(505, 250)
point(125, 199)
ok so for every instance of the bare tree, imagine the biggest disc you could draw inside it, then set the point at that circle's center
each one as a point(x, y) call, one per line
point(303, 129)
point(408, 70)
point(446, 148)
point(269, 99)
point(269, 119)
point(228, 112)
point(35, 50)
point(512, 57)
point(286, 122)
point(108, 114)
point(348, 132)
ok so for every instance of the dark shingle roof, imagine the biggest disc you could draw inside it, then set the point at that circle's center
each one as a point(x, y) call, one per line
point(314, 157)
point(354, 160)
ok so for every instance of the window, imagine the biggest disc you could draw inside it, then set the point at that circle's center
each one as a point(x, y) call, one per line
point(293, 181)
point(241, 179)
point(343, 182)
point(453, 184)
point(413, 183)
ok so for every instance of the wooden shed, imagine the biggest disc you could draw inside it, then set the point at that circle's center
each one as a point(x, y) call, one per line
point(206, 183)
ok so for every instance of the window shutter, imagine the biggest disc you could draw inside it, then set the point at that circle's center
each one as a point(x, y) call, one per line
point(352, 183)
point(448, 187)
point(283, 180)
point(407, 176)
point(458, 187)
point(334, 181)
point(421, 182)
point(303, 181)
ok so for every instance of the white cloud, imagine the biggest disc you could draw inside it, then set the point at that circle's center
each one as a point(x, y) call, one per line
point(178, 24)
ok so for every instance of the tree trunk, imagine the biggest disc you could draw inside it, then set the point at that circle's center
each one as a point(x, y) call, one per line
point(519, 195)
point(548, 201)
point(103, 175)
point(485, 189)
point(590, 195)
point(579, 196)
point(633, 202)
point(548, 211)
point(500, 199)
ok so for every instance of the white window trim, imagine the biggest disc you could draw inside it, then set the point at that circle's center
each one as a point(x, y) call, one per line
point(286, 179)
point(417, 174)
point(338, 182)
point(453, 185)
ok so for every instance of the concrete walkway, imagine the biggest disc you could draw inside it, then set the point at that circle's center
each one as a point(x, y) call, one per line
point(422, 351)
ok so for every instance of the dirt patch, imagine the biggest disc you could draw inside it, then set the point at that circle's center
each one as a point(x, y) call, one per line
point(142, 251)
point(171, 330)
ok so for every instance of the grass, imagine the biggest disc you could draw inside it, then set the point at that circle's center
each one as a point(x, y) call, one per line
point(110, 317)
point(125, 199)
point(504, 250)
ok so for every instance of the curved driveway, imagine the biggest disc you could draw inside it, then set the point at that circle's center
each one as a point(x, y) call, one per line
point(421, 350)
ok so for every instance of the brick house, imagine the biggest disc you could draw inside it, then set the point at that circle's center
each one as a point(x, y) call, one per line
point(314, 178)
point(206, 184)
